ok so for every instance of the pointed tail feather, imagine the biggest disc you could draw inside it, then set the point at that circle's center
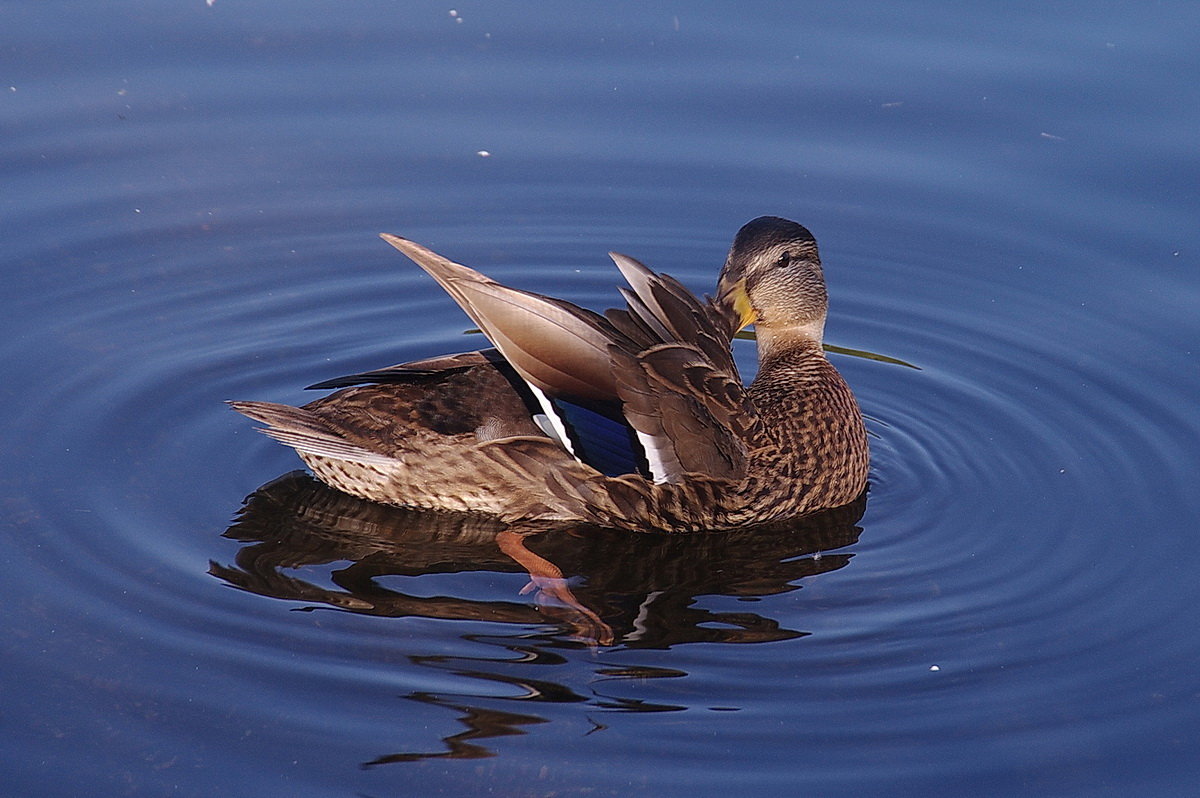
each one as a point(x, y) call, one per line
point(304, 432)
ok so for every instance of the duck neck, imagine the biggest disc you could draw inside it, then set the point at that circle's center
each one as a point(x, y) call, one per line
point(775, 342)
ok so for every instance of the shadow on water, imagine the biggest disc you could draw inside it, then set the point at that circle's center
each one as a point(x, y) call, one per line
point(587, 587)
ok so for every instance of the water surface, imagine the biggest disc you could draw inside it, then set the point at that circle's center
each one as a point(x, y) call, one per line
point(1005, 196)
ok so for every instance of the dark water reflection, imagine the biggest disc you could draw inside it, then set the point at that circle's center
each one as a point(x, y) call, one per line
point(632, 591)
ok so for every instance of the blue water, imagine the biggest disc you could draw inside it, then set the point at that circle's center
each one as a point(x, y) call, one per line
point(1005, 195)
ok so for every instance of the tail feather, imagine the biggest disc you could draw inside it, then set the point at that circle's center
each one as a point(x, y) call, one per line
point(306, 433)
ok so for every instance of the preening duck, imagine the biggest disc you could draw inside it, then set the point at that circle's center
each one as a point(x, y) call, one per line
point(634, 419)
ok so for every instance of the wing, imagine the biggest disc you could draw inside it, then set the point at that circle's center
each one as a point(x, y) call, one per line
point(662, 305)
point(664, 362)
point(681, 390)
point(558, 347)
point(416, 369)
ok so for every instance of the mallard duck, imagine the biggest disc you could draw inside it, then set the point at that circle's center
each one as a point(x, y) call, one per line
point(635, 419)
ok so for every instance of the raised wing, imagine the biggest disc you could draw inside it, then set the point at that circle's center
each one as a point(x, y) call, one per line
point(664, 360)
point(558, 347)
point(680, 389)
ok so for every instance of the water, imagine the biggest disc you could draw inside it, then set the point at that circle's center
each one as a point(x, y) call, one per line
point(1005, 196)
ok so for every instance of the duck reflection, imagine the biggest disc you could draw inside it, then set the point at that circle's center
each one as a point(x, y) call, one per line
point(600, 587)
point(585, 588)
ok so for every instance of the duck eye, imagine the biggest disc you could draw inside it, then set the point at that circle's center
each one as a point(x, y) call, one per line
point(783, 260)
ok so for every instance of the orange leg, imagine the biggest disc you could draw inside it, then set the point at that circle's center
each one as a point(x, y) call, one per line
point(553, 594)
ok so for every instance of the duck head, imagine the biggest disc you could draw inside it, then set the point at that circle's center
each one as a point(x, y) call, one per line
point(773, 280)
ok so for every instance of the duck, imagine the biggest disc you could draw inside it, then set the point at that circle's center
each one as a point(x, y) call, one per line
point(634, 419)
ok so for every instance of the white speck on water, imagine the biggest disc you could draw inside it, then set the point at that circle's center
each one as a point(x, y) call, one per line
point(484, 154)
point(934, 668)
point(1052, 137)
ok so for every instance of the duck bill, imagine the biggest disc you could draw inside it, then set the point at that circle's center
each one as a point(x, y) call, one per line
point(735, 303)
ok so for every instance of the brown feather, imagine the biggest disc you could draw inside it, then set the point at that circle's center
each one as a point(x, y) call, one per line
point(557, 346)
point(416, 369)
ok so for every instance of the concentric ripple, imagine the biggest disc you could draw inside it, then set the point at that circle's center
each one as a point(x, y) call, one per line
point(1006, 472)
point(1012, 613)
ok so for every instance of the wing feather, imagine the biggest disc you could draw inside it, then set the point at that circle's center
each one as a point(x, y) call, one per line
point(555, 345)
point(416, 369)
point(665, 357)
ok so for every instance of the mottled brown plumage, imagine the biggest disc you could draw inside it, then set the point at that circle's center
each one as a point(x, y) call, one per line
point(459, 432)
